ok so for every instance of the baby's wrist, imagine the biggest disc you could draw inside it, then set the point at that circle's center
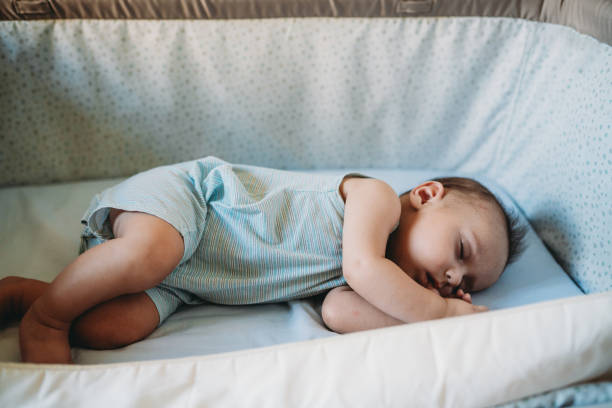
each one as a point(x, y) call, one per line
point(449, 310)
point(456, 307)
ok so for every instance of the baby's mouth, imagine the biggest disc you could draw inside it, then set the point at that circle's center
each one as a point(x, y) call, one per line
point(431, 281)
point(426, 280)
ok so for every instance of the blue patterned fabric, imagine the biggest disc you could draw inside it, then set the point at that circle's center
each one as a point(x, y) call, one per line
point(591, 395)
point(252, 234)
point(527, 104)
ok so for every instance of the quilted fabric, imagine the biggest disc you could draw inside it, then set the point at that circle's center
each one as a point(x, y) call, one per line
point(528, 104)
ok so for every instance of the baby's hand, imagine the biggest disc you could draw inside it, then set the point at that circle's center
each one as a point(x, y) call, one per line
point(459, 307)
point(460, 294)
point(464, 296)
point(460, 303)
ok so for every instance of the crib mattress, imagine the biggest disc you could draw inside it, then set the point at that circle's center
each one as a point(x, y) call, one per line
point(40, 235)
point(282, 354)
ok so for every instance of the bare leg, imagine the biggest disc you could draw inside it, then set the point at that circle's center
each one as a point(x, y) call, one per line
point(146, 249)
point(16, 296)
point(116, 323)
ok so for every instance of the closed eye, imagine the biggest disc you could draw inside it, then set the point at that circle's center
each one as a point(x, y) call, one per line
point(461, 250)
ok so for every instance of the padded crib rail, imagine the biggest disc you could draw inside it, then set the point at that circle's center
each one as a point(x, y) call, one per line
point(592, 17)
point(471, 361)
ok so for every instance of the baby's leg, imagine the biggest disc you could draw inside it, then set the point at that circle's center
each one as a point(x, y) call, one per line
point(116, 323)
point(16, 296)
point(145, 250)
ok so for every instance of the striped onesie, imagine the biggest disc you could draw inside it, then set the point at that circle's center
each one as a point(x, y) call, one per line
point(251, 234)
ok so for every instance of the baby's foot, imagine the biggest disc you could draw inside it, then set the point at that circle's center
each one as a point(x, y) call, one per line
point(43, 339)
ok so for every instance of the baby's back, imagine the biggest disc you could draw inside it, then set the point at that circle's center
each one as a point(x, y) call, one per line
point(268, 235)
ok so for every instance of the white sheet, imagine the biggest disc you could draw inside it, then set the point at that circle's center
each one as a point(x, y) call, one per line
point(39, 236)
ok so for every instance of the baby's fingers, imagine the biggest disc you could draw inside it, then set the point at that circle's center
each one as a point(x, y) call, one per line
point(464, 296)
point(479, 309)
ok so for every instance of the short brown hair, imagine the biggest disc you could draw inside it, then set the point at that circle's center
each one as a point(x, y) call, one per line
point(515, 231)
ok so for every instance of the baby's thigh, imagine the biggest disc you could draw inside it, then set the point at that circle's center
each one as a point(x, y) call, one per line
point(156, 239)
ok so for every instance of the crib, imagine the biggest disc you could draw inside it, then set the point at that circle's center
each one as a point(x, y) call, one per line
point(515, 93)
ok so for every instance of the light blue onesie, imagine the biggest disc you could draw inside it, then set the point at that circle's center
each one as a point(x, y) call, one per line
point(251, 234)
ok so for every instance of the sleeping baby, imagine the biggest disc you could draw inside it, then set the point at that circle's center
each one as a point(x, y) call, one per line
point(210, 231)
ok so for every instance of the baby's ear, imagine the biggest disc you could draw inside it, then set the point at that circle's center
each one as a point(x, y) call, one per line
point(427, 192)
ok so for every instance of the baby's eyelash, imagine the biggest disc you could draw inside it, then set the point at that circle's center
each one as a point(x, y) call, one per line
point(461, 253)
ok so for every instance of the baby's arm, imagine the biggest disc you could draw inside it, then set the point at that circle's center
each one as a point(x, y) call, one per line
point(372, 209)
point(344, 311)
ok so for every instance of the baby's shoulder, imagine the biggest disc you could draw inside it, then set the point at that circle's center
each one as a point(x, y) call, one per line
point(362, 186)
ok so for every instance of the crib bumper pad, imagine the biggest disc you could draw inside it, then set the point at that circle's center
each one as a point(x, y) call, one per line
point(494, 96)
point(469, 361)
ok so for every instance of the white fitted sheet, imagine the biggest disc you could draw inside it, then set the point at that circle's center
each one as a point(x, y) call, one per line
point(40, 235)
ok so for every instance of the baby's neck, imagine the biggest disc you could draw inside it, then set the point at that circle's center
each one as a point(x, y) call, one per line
point(392, 250)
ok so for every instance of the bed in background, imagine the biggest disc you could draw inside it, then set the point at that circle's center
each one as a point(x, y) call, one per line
point(519, 92)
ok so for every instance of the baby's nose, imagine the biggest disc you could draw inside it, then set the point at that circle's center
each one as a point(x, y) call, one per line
point(453, 277)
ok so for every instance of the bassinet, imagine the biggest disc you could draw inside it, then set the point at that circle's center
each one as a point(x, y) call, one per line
point(519, 92)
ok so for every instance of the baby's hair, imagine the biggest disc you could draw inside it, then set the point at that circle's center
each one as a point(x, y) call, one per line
point(515, 231)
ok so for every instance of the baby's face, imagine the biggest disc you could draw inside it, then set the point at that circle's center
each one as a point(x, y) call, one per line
point(451, 244)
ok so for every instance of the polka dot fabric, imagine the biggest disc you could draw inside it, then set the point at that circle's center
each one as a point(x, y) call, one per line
point(527, 104)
